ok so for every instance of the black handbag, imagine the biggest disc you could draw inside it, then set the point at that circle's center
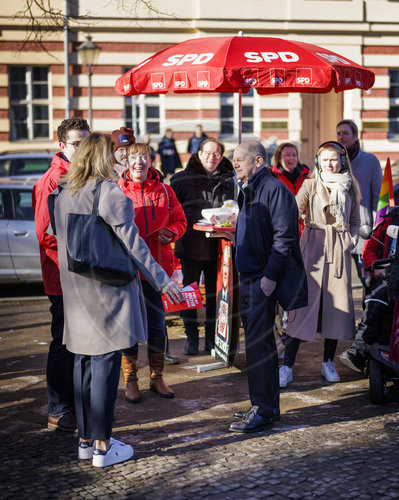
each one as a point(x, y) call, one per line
point(94, 250)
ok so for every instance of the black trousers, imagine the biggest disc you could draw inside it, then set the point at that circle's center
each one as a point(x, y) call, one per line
point(258, 315)
point(191, 272)
point(96, 381)
point(59, 370)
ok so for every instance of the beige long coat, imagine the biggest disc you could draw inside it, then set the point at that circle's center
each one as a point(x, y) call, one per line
point(326, 251)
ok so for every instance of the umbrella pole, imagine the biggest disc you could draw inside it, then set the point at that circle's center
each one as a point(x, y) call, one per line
point(239, 115)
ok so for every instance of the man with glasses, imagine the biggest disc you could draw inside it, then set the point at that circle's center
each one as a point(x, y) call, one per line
point(59, 370)
point(206, 182)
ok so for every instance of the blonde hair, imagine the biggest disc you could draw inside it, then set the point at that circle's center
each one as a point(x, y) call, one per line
point(354, 190)
point(139, 148)
point(93, 159)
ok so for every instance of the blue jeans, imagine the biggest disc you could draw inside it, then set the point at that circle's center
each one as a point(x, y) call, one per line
point(155, 318)
point(59, 371)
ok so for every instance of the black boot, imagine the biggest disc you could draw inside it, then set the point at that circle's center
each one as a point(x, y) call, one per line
point(191, 347)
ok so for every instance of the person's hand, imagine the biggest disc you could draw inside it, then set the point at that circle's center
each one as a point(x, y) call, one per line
point(164, 239)
point(267, 285)
point(379, 273)
point(165, 236)
point(172, 291)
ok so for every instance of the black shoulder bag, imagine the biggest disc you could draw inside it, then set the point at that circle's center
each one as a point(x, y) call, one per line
point(93, 249)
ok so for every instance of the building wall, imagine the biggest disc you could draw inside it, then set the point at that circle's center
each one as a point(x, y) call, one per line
point(365, 31)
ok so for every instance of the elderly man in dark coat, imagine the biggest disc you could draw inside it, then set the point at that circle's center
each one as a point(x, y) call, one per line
point(270, 266)
point(206, 182)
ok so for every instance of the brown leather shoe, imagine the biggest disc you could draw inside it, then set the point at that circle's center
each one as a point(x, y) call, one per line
point(64, 423)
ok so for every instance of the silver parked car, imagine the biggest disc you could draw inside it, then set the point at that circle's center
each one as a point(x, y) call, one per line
point(19, 248)
point(25, 163)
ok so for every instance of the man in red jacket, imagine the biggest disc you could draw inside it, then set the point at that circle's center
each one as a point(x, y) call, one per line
point(59, 372)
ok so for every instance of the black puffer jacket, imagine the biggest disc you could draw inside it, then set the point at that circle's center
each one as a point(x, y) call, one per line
point(196, 189)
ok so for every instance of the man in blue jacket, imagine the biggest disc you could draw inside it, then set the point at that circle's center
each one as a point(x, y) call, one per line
point(269, 262)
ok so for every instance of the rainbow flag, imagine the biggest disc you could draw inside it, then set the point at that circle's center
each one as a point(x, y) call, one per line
point(386, 193)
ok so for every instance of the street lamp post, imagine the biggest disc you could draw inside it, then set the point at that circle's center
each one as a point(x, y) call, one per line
point(89, 53)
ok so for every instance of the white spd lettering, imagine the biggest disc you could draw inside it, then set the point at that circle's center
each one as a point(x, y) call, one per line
point(302, 80)
point(250, 81)
point(203, 83)
point(276, 81)
point(333, 58)
point(256, 57)
point(157, 85)
point(180, 83)
point(179, 59)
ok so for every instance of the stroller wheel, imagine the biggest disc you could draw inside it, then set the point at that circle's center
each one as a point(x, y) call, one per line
point(377, 385)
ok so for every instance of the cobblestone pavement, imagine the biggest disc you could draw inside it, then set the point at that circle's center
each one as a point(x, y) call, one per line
point(331, 442)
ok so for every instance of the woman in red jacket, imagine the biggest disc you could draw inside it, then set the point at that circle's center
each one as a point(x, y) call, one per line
point(287, 169)
point(160, 219)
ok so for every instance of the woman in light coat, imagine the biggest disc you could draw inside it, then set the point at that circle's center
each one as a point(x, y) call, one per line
point(101, 320)
point(329, 202)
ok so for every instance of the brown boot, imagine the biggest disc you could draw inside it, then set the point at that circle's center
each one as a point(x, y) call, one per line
point(157, 383)
point(129, 368)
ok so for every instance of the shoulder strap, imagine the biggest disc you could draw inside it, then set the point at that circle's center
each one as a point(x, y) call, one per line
point(167, 194)
point(96, 201)
point(50, 205)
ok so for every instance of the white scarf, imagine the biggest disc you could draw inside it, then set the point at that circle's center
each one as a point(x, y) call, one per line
point(338, 185)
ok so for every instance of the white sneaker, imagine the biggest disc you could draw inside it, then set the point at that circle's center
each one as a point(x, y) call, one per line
point(285, 375)
point(85, 450)
point(118, 452)
point(329, 372)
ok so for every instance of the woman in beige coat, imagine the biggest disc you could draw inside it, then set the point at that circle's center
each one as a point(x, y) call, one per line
point(329, 203)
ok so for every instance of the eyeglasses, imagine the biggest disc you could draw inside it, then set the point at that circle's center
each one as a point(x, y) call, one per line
point(208, 155)
point(143, 157)
point(74, 144)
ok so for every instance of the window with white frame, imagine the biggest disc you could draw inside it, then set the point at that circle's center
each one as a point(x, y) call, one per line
point(143, 114)
point(29, 98)
point(393, 129)
point(229, 114)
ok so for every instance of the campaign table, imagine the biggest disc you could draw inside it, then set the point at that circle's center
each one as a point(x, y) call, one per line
point(227, 309)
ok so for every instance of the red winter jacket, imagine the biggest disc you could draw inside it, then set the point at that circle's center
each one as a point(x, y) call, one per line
point(155, 206)
point(47, 243)
point(373, 250)
point(293, 186)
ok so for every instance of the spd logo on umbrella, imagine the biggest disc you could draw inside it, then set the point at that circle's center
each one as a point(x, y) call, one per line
point(158, 81)
point(203, 79)
point(180, 80)
point(304, 76)
point(250, 77)
point(277, 77)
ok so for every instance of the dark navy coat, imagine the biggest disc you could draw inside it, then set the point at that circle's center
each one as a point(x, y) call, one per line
point(271, 236)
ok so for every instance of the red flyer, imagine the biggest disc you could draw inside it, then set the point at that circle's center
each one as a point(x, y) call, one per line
point(193, 299)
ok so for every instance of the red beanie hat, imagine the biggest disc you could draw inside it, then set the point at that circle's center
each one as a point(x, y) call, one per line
point(123, 137)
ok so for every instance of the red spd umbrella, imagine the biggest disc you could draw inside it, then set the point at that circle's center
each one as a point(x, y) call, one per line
point(238, 63)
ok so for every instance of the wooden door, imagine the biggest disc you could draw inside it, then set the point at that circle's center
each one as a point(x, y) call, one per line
point(320, 115)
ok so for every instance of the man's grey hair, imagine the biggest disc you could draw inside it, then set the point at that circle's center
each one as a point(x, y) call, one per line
point(255, 148)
